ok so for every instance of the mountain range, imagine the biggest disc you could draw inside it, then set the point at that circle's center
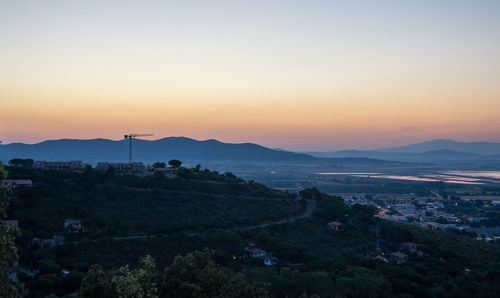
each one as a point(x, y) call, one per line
point(190, 150)
point(480, 148)
point(182, 148)
point(436, 151)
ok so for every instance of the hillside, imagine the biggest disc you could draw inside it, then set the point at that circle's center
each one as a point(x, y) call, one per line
point(112, 205)
point(125, 218)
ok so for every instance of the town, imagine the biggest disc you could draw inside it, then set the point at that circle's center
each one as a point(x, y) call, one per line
point(434, 212)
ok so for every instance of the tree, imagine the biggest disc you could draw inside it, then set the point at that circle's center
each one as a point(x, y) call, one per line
point(8, 250)
point(158, 165)
point(123, 282)
point(175, 163)
point(127, 284)
point(310, 193)
point(97, 283)
point(331, 208)
point(19, 162)
point(196, 275)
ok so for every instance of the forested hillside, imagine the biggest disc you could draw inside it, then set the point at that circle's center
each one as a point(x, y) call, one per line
point(238, 239)
point(114, 205)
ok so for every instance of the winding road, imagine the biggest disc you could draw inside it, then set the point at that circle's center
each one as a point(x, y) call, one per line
point(310, 207)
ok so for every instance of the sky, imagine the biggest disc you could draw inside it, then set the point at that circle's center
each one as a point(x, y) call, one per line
point(299, 75)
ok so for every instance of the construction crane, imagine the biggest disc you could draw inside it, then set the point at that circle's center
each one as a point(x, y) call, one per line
point(130, 137)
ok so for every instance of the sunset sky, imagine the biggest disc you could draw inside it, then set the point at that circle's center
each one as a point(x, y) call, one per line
point(301, 75)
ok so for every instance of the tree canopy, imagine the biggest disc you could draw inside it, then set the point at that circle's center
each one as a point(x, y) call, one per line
point(19, 162)
point(8, 250)
point(159, 165)
point(175, 163)
point(194, 275)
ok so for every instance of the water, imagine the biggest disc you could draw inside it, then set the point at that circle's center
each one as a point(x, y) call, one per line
point(481, 174)
point(456, 177)
point(423, 177)
point(350, 173)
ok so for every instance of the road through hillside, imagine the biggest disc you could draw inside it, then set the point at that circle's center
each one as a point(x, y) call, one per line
point(310, 207)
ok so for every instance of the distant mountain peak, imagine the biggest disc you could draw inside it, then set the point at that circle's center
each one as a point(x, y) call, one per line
point(481, 148)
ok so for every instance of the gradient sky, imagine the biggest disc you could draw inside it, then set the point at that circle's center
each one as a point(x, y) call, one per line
point(302, 75)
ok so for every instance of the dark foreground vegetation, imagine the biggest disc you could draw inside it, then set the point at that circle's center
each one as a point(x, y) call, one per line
point(201, 216)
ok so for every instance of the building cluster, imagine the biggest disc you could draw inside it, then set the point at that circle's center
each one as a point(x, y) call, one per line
point(121, 167)
point(117, 167)
point(401, 255)
point(255, 252)
point(421, 212)
point(58, 165)
point(427, 214)
point(14, 183)
point(356, 200)
point(70, 226)
point(50, 242)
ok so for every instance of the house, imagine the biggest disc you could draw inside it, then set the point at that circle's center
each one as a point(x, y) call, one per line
point(58, 165)
point(477, 219)
point(72, 225)
point(411, 248)
point(269, 260)
point(121, 167)
point(36, 241)
point(51, 242)
point(255, 252)
point(434, 225)
point(48, 243)
point(59, 239)
point(398, 257)
point(168, 171)
point(13, 183)
point(11, 223)
point(64, 272)
point(334, 225)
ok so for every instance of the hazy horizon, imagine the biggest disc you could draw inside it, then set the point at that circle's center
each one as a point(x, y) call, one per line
point(315, 75)
point(153, 138)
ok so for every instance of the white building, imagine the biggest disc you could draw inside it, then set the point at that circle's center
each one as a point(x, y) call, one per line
point(58, 165)
point(72, 225)
point(12, 183)
point(121, 167)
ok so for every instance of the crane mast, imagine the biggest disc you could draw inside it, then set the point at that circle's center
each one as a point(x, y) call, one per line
point(130, 137)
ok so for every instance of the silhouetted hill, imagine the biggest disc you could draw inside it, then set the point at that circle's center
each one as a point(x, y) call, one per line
point(482, 148)
point(182, 148)
point(437, 151)
point(437, 156)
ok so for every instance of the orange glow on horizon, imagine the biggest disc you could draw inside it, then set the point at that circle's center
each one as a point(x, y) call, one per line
point(297, 80)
